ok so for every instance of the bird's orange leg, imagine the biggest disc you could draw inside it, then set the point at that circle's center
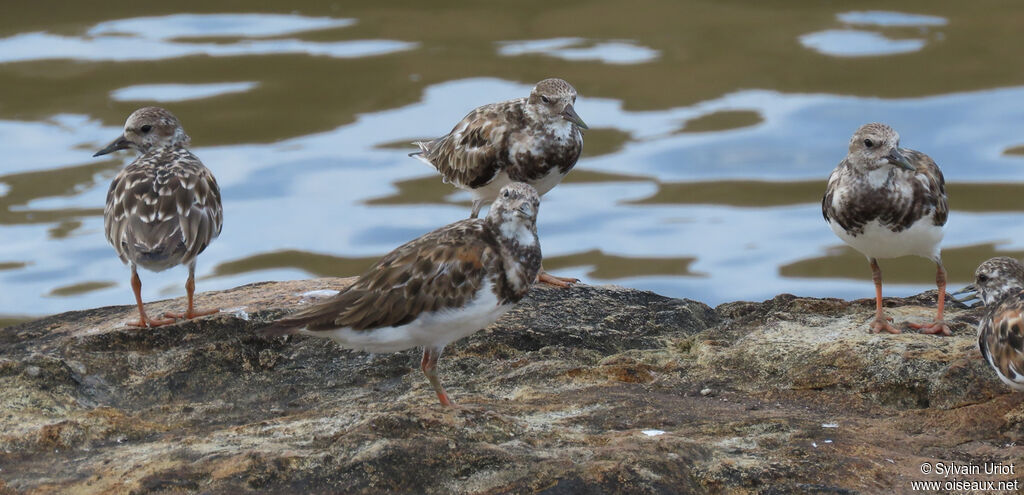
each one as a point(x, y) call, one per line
point(881, 322)
point(938, 327)
point(190, 290)
point(562, 282)
point(144, 321)
point(429, 367)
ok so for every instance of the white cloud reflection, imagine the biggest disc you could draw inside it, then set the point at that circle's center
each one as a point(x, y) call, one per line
point(158, 38)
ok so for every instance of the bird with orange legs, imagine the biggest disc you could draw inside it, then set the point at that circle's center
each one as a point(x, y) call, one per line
point(164, 208)
point(887, 202)
point(435, 289)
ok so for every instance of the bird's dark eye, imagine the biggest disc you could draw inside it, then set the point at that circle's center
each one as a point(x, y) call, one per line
point(146, 128)
point(982, 278)
point(506, 194)
point(868, 143)
point(545, 99)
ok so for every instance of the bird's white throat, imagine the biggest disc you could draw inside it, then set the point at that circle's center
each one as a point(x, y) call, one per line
point(517, 230)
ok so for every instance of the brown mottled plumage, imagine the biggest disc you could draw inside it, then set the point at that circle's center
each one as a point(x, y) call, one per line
point(1000, 285)
point(907, 196)
point(164, 208)
point(887, 202)
point(535, 140)
point(436, 289)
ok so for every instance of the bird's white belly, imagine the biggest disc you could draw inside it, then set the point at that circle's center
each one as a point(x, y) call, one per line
point(549, 181)
point(434, 329)
point(921, 239)
point(489, 192)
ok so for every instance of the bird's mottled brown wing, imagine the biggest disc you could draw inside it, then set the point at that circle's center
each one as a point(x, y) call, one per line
point(163, 202)
point(917, 194)
point(472, 154)
point(442, 269)
point(827, 208)
point(934, 184)
point(1001, 340)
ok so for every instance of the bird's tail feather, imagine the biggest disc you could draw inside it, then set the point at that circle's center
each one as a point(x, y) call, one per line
point(315, 316)
point(289, 325)
point(424, 147)
point(278, 330)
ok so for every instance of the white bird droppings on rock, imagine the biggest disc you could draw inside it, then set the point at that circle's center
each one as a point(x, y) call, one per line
point(237, 311)
point(316, 294)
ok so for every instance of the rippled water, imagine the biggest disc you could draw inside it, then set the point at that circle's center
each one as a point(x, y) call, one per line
point(713, 128)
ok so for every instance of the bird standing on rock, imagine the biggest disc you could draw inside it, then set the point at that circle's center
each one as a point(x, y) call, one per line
point(886, 202)
point(535, 140)
point(436, 289)
point(999, 283)
point(164, 208)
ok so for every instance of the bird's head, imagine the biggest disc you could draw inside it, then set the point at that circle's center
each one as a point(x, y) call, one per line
point(996, 278)
point(149, 128)
point(554, 99)
point(514, 212)
point(877, 145)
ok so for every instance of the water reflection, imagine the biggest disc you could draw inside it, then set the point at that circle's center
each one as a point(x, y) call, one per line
point(43, 46)
point(722, 120)
point(155, 38)
point(179, 26)
point(81, 288)
point(579, 49)
point(597, 263)
point(890, 19)
point(845, 262)
point(859, 43)
point(713, 130)
point(854, 43)
point(164, 93)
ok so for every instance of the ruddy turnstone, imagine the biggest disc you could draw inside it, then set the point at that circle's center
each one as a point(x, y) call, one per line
point(535, 140)
point(435, 289)
point(999, 282)
point(164, 208)
point(886, 202)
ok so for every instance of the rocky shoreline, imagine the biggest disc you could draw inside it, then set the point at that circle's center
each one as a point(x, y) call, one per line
point(584, 390)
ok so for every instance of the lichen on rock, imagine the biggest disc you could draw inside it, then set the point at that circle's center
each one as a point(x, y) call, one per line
point(554, 398)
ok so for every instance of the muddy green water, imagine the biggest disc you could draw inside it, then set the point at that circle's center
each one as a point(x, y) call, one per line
point(713, 128)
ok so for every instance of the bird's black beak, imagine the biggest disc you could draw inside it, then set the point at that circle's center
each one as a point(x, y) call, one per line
point(570, 114)
point(525, 210)
point(966, 295)
point(897, 158)
point(119, 144)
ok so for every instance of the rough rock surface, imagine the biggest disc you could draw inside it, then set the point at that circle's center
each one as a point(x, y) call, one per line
point(585, 390)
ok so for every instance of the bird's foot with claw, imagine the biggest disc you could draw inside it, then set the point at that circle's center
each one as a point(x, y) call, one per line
point(938, 327)
point(883, 324)
point(150, 322)
point(188, 315)
point(562, 282)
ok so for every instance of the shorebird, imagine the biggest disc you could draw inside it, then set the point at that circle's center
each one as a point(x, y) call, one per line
point(535, 140)
point(999, 283)
point(164, 208)
point(886, 202)
point(435, 289)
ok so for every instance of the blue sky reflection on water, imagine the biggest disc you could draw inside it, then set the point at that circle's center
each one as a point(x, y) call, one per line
point(320, 192)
